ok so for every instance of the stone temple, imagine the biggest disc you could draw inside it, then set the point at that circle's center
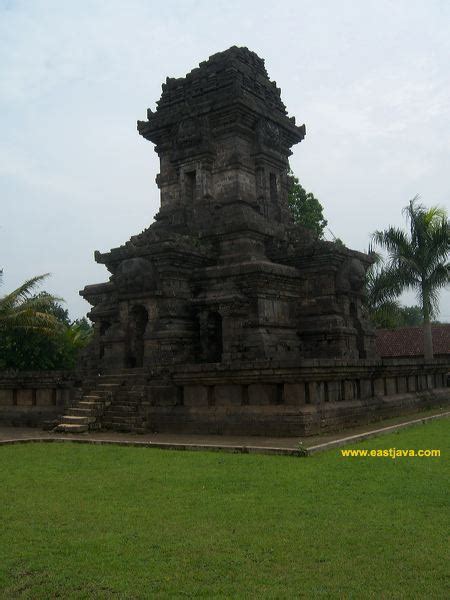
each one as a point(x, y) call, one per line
point(223, 315)
point(223, 274)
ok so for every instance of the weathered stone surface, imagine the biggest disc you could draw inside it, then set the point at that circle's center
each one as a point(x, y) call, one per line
point(262, 394)
point(195, 395)
point(24, 398)
point(223, 274)
point(32, 398)
point(228, 394)
point(294, 393)
point(45, 397)
point(6, 397)
point(223, 316)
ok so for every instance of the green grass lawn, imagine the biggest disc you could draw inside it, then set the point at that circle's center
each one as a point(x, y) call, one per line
point(82, 521)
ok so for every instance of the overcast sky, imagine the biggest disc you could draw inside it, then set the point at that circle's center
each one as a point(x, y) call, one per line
point(369, 78)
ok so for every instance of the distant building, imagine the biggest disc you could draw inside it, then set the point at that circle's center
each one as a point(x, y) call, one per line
point(408, 341)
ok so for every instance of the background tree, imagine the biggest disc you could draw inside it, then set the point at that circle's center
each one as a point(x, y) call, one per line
point(384, 310)
point(306, 208)
point(36, 332)
point(416, 260)
point(410, 316)
point(24, 310)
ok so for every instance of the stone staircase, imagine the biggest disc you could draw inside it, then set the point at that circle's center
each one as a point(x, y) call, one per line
point(124, 414)
point(86, 414)
point(112, 402)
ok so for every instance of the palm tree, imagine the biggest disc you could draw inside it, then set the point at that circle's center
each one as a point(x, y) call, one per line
point(23, 310)
point(382, 307)
point(417, 260)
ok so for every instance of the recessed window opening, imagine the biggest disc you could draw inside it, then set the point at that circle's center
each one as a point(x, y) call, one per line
point(191, 184)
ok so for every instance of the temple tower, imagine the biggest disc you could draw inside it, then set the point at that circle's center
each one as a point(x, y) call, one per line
point(223, 274)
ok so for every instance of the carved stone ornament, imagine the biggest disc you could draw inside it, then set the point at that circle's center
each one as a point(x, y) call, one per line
point(268, 134)
point(351, 277)
point(189, 133)
point(136, 275)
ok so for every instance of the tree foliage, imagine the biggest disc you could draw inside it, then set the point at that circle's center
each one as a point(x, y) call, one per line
point(36, 332)
point(306, 208)
point(24, 310)
point(416, 260)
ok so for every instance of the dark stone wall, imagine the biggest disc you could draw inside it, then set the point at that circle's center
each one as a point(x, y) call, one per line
point(259, 398)
point(36, 397)
point(276, 399)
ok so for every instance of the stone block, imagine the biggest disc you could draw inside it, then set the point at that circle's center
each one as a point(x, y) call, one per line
point(58, 397)
point(196, 395)
point(365, 387)
point(44, 397)
point(401, 385)
point(334, 391)
point(163, 396)
point(6, 397)
point(421, 382)
point(349, 390)
point(378, 387)
point(294, 393)
point(412, 383)
point(24, 397)
point(391, 387)
point(228, 395)
point(316, 392)
point(439, 380)
point(262, 393)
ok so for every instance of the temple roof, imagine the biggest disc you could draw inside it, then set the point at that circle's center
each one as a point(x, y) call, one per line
point(236, 75)
point(236, 68)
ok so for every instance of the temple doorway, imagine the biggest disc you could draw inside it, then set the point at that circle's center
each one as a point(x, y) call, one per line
point(137, 325)
point(214, 344)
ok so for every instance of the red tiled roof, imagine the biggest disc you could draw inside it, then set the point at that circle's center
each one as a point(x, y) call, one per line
point(408, 341)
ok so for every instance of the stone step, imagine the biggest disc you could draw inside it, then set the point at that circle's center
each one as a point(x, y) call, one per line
point(71, 428)
point(77, 420)
point(99, 402)
point(93, 403)
point(109, 380)
point(82, 412)
point(107, 386)
point(120, 402)
point(116, 421)
point(127, 417)
point(126, 400)
point(86, 404)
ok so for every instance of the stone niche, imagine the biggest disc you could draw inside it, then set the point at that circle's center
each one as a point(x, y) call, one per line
point(223, 275)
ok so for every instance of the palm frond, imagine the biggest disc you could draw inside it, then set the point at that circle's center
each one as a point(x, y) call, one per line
point(23, 292)
point(29, 319)
point(24, 310)
point(417, 259)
